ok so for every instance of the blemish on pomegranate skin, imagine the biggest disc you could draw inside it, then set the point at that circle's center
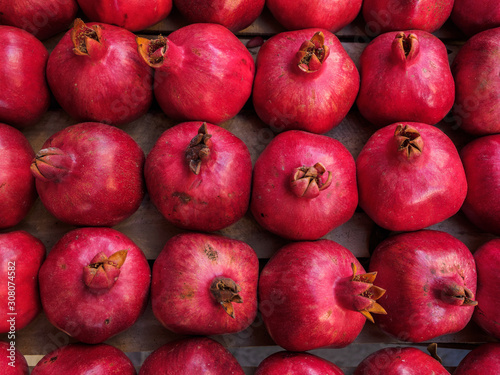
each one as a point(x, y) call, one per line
point(211, 253)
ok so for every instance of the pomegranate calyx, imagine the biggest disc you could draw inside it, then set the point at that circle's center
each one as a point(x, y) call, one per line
point(226, 292)
point(366, 294)
point(51, 164)
point(102, 272)
point(405, 48)
point(199, 149)
point(153, 50)
point(457, 295)
point(312, 53)
point(307, 182)
point(85, 39)
point(409, 141)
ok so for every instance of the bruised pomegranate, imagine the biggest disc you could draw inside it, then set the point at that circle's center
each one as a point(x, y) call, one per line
point(410, 176)
point(416, 84)
point(90, 174)
point(304, 185)
point(316, 294)
point(12, 362)
point(474, 16)
point(191, 356)
point(94, 284)
point(96, 74)
point(485, 359)
point(17, 185)
point(430, 281)
point(203, 72)
point(293, 363)
point(305, 80)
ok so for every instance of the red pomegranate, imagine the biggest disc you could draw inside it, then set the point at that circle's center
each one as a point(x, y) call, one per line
point(430, 281)
point(477, 84)
point(305, 80)
point(485, 359)
point(90, 174)
point(96, 74)
point(416, 84)
point(25, 94)
point(293, 363)
point(94, 284)
point(213, 172)
point(21, 257)
point(191, 356)
point(474, 16)
point(12, 362)
point(203, 72)
point(316, 294)
point(410, 176)
point(17, 192)
point(304, 185)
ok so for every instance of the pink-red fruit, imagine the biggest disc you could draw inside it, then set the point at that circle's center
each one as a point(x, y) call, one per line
point(293, 363)
point(474, 16)
point(485, 359)
point(12, 362)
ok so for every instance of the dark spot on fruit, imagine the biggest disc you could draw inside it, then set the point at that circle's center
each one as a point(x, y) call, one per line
point(183, 197)
point(53, 359)
point(106, 321)
point(262, 214)
point(211, 253)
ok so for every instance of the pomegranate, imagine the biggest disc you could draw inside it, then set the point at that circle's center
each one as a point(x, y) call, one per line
point(485, 359)
point(481, 160)
point(430, 281)
point(219, 68)
point(416, 84)
point(477, 76)
point(96, 74)
point(410, 176)
point(293, 363)
point(20, 259)
point(17, 185)
point(94, 284)
point(332, 15)
point(133, 15)
point(191, 356)
point(83, 359)
point(12, 362)
point(42, 18)
point(90, 174)
point(25, 94)
point(205, 284)
point(474, 16)
point(316, 294)
point(305, 80)
point(213, 172)
point(304, 185)
point(235, 15)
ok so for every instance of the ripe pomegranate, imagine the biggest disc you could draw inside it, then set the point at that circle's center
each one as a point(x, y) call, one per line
point(473, 16)
point(293, 363)
point(90, 174)
point(416, 84)
point(133, 15)
point(191, 356)
point(96, 74)
point(94, 284)
point(305, 80)
point(25, 94)
point(82, 359)
point(17, 185)
point(331, 15)
point(12, 362)
point(213, 172)
point(430, 281)
point(205, 284)
point(236, 15)
point(477, 76)
point(316, 294)
point(410, 176)
point(485, 359)
point(220, 70)
point(21, 257)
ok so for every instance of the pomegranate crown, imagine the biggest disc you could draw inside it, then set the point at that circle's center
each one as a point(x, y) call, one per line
point(366, 294)
point(312, 53)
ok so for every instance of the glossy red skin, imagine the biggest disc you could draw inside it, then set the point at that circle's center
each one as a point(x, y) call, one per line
point(207, 75)
point(42, 18)
point(183, 273)
point(133, 15)
point(485, 359)
point(410, 268)
point(287, 98)
point(12, 362)
point(279, 210)
point(17, 192)
point(404, 195)
point(292, 363)
point(27, 252)
point(296, 301)
point(25, 93)
point(191, 356)
point(235, 15)
point(332, 15)
point(82, 359)
point(105, 184)
point(400, 360)
point(113, 85)
point(212, 200)
point(477, 84)
point(421, 90)
point(393, 15)
point(473, 16)
point(76, 309)
point(481, 160)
